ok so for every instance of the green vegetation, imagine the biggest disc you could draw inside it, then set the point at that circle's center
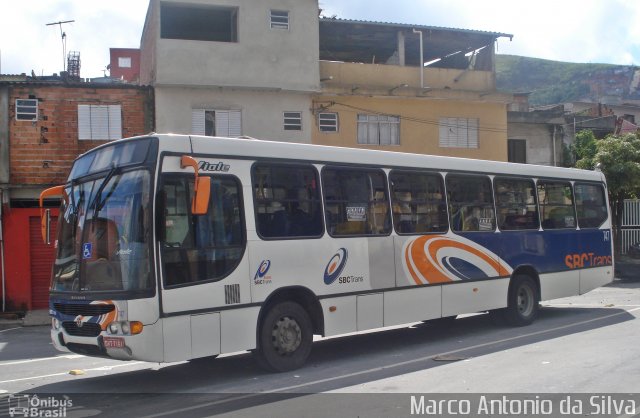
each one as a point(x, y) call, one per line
point(549, 82)
point(618, 157)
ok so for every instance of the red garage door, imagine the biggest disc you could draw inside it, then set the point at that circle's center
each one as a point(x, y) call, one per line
point(42, 257)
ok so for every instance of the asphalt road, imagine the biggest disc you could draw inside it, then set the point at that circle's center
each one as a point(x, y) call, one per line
point(584, 344)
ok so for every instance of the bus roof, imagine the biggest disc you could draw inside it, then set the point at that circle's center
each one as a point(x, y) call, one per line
point(256, 148)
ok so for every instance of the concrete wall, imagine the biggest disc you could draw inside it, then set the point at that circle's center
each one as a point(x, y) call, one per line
point(262, 111)
point(346, 73)
point(419, 131)
point(539, 137)
point(262, 57)
point(148, 41)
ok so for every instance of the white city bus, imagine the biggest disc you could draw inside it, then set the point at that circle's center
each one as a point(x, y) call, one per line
point(177, 247)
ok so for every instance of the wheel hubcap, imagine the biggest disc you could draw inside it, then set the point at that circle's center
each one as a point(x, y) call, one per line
point(286, 336)
point(525, 300)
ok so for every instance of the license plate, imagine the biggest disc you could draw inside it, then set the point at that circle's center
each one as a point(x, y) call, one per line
point(113, 342)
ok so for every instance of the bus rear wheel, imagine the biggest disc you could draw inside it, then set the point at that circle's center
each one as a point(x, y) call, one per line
point(522, 304)
point(285, 338)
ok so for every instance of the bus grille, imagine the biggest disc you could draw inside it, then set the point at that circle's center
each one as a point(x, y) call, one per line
point(85, 349)
point(83, 309)
point(88, 329)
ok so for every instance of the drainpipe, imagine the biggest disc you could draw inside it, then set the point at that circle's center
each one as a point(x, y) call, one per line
point(4, 287)
point(421, 60)
point(554, 146)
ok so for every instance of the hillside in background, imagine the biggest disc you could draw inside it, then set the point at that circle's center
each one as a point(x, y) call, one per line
point(552, 82)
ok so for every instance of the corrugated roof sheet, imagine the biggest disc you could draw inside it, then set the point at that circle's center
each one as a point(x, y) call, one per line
point(418, 27)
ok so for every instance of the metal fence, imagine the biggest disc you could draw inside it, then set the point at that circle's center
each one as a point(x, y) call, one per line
point(630, 224)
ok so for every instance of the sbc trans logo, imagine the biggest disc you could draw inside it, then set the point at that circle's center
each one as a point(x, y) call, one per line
point(335, 266)
point(261, 274)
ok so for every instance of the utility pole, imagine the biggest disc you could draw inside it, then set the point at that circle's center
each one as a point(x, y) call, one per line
point(63, 37)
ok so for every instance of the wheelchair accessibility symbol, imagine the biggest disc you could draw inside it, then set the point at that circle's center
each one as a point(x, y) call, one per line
point(87, 250)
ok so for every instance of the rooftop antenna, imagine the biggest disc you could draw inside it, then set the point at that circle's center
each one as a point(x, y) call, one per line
point(63, 37)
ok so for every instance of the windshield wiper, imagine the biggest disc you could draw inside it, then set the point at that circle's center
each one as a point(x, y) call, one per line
point(97, 200)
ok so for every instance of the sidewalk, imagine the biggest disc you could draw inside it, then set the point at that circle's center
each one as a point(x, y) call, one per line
point(32, 318)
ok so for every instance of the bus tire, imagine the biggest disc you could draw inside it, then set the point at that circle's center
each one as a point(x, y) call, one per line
point(285, 338)
point(522, 303)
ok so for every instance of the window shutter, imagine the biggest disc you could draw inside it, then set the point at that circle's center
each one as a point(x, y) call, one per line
point(99, 122)
point(115, 122)
point(235, 123)
point(84, 122)
point(222, 123)
point(197, 121)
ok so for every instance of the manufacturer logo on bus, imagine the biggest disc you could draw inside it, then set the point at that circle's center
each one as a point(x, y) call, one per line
point(214, 167)
point(335, 266)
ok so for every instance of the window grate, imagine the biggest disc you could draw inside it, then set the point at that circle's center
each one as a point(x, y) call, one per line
point(27, 109)
point(279, 19)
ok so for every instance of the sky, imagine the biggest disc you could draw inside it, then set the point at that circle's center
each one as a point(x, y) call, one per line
point(593, 31)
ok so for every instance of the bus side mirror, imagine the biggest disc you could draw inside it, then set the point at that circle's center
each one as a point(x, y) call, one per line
point(202, 187)
point(45, 215)
point(202, 194)
point(45, 226)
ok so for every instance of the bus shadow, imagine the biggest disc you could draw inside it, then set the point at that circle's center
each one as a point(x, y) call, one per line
point(237, 382)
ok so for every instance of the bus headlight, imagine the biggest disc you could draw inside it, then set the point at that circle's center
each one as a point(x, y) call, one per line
point(125, 327)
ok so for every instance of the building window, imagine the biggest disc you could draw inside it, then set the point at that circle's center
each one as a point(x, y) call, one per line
point(458, 133)
point(287, 201)
point(198, 23)
point(99, 122)
point(355, 202)
point(517, 151)
point(328, 122)
point(470, 203)
point(292, 121)
point(216, 122)
point(124, 62)
point(378, 129)
point(26, 109)
point(279, 19)
point(516, 204)
point(556, 205)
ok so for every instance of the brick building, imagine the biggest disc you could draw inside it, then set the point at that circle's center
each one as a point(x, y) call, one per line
point(45, 123)
point(124, 63)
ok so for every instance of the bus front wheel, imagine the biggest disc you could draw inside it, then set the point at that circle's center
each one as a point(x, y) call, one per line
point(285, 338)
point(522, 307)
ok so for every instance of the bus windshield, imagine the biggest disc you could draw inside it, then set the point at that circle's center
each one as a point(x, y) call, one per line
point(104, 234)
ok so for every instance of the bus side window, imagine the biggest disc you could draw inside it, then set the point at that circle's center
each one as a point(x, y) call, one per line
point(356, 201)
point(591, 205)
point(516, 204)
point(418, 202)
point(556, 205)
point(203, 247)
point(287, 201)
point(470, 203)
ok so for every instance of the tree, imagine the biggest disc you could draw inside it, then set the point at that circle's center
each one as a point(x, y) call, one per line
point(618, 157)
point(584, 149)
